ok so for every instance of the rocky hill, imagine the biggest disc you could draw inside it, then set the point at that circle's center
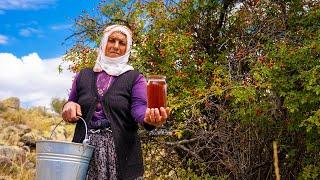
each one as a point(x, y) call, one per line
point(19, 130)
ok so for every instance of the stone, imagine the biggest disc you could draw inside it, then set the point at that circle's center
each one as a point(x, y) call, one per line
point(7, 167)
point(14, 153)
point(23, 129)
point(2, 107)
point(20, 144)
point(30, 138)
point(29, 165)
point(11, 129)
point(5, 162)
point(26, 148)
point(10, 135)
point(11, 103)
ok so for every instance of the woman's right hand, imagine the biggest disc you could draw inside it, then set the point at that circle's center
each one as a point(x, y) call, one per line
point(71, 111)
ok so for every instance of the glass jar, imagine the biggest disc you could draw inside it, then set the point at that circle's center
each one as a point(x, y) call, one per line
point(156, 91)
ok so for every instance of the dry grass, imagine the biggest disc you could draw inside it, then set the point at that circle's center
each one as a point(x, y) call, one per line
point(38, 120)
point(19, 170)
point(25, 172)
point(34, 118)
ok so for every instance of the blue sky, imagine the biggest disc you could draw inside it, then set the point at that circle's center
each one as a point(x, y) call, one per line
point(39, 25)
point(32, 33)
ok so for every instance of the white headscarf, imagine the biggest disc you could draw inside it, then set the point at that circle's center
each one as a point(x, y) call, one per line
point(113, 66)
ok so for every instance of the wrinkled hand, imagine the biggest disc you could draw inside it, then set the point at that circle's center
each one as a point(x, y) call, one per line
point(155, 117)
point(70, 112)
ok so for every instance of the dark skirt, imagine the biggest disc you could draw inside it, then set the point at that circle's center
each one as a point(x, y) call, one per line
point(103, 163)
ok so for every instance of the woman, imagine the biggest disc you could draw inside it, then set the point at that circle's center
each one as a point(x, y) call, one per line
point(112, 99)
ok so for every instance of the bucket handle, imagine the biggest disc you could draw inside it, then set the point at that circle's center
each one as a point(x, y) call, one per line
point(86, 138)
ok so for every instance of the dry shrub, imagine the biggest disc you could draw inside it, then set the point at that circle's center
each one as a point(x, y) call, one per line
point(25, 172)
point(2, 107)
point(163, 160)
point(37, 119)
point(19, 170)
point(230, 150)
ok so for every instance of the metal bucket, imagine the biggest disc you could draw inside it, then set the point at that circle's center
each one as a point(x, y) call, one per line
point(59, 160)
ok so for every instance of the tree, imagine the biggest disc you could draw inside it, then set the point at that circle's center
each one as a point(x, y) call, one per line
point(240, 75)
point(57, 104)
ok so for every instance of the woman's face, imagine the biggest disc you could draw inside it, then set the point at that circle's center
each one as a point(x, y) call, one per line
point(116, 45)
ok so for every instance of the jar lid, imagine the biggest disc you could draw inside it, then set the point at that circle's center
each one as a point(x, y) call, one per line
point(156, 77)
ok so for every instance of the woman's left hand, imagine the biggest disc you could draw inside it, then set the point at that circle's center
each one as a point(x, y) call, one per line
point(155, 117)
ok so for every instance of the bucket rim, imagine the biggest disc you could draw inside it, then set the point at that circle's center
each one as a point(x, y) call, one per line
point(65, 142)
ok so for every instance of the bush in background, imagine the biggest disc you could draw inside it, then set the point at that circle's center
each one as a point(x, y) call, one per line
point(241, 74)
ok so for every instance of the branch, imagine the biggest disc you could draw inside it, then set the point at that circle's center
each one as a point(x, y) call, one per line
point(75, 34)
point(185, 141)
point(222, 16)
point(190, 152)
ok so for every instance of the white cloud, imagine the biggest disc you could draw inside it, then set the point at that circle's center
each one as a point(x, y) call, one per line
point(33, 80)
point(61, 26)
point(3, 39)
point(25, 4)
point(27, 23)
point(29, 31)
